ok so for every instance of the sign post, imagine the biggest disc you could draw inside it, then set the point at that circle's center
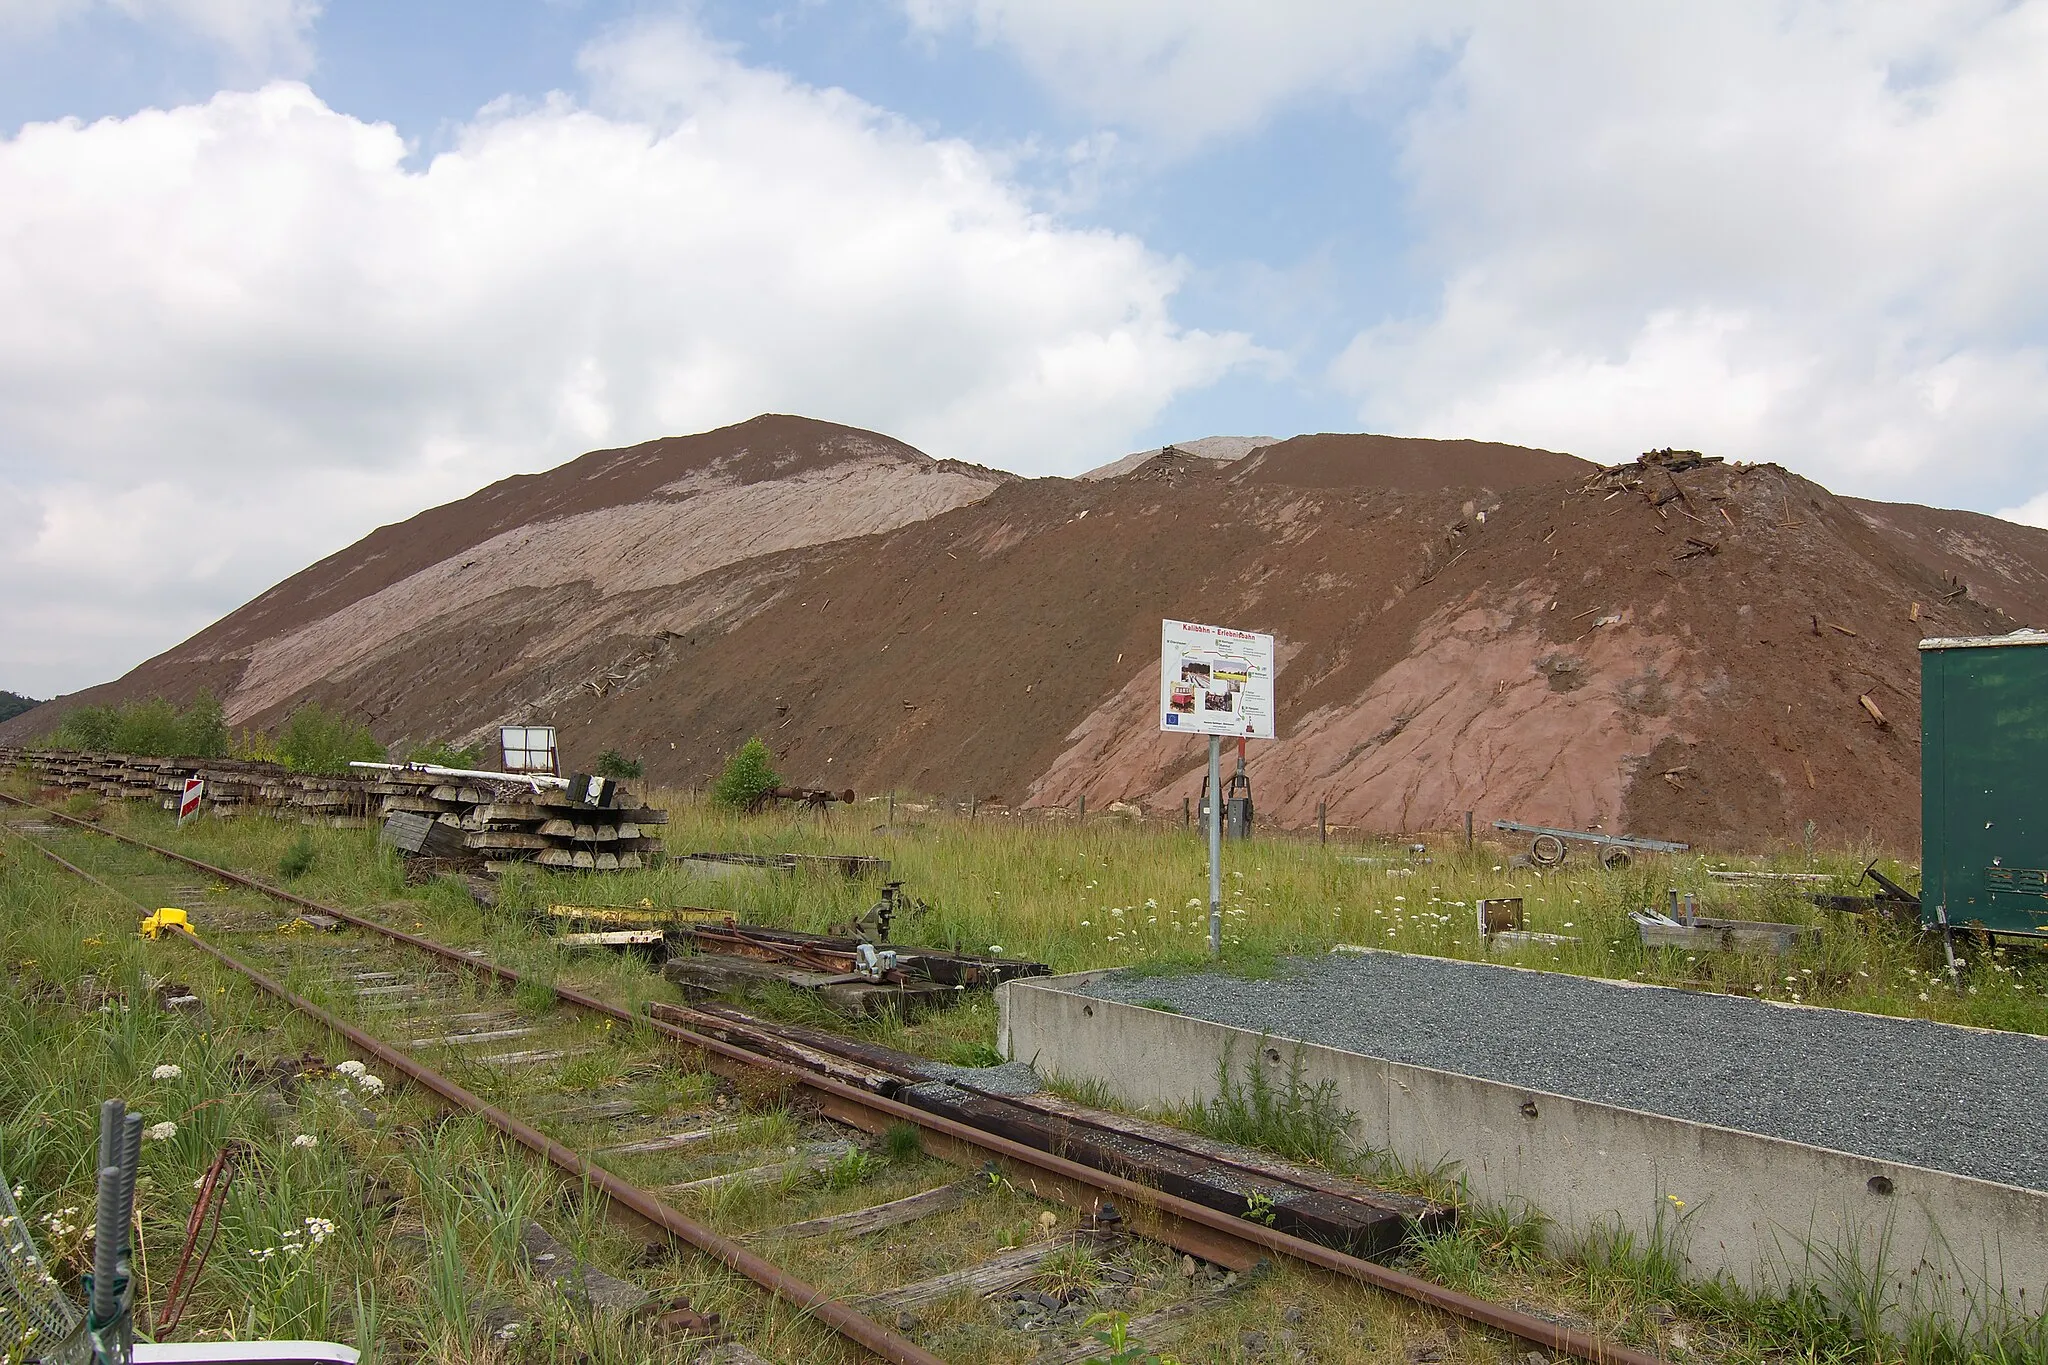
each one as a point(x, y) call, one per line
point(1214, 681)
point(188, 800)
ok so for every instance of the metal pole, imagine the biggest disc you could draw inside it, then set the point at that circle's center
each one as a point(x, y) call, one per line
point(1215, 846)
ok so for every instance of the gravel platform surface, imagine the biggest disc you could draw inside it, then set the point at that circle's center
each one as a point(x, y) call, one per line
point(1895, 1089)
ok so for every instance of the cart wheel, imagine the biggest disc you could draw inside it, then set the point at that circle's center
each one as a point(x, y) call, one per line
point(1616, 859)
point(1546, 850)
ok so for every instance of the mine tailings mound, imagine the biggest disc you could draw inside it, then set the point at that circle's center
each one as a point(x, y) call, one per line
point(1674, 647)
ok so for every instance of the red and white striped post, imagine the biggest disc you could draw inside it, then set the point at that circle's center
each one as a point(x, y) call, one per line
point(188, 803)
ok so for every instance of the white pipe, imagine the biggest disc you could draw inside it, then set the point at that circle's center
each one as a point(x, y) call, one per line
point(536, 780)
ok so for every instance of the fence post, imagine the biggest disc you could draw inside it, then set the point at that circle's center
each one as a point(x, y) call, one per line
point(1186, 818)
point(1323, 820)
point(1468, 831)
point(892, 808)
point(1082, 818)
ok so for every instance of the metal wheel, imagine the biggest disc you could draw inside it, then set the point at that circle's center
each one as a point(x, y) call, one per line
point(1546, 850)
point(1615, 859)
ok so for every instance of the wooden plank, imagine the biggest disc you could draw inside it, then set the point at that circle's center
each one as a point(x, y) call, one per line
point(669, 1142)
point(1728, 935)
point(494, 1035)
point(1365, 1229)
point(861, 1222)
point(816, 1156)
point(1005, 1270)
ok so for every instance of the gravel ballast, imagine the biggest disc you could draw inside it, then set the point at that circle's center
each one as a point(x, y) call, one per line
point(1903, 1090)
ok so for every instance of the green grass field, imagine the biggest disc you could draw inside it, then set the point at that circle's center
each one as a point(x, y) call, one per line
point(78, 1021)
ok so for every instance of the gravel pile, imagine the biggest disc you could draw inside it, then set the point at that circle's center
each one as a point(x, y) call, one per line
point(1895, 1089)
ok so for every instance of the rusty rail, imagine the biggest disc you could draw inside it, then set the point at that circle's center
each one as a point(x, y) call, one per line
point(1195, 1224)
point(847, 1321)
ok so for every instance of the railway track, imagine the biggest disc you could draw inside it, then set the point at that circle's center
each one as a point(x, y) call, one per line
point(488, 1042)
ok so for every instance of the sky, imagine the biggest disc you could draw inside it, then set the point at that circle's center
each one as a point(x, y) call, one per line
point(275, 272)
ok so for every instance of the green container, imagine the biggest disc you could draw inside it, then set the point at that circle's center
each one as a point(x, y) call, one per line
point(1984, 782)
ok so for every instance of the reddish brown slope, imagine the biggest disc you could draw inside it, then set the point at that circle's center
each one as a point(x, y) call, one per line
point(1576, 657)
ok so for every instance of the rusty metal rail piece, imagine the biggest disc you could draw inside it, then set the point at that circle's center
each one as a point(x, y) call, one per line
point(1050, 1176)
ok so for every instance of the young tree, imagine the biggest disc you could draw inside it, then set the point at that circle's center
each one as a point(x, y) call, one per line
point(748, 774)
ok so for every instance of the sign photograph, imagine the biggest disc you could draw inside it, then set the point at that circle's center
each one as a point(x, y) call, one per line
point(1215, 681)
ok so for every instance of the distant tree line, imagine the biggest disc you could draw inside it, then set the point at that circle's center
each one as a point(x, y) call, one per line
point(13, 704)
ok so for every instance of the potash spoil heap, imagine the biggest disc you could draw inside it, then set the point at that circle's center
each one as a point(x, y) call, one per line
point(1677, 647)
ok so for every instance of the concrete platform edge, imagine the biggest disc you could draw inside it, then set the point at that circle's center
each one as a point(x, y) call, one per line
point(1763, 1211)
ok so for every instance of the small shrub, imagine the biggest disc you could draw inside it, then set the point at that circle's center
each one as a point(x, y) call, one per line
point(901, 1141)
point(446, 753)
point(298, 859)
point(748, 774)
point(612, 763)
point(316, 740)
point(153, 728)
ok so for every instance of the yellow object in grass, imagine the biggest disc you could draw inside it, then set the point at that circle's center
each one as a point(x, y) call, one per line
point(165, 920)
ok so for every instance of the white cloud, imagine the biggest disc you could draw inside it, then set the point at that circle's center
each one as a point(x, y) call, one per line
point(1802, 234)
point(1185, 70)
point(1805, 231)
point(235, 335)
point(257, 37)
point(2032, 512)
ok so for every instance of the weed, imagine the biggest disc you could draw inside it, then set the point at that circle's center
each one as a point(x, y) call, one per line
point(974, 1054)
point(1113, 1331)
point(902, 1141)
point(1258, 1207)
point(298, 859)
point(1071, 1272)
point(849, 1169)
point(1299, 1120)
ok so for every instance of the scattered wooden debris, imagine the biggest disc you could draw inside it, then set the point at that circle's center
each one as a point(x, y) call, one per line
point(1725, 935)
point(1875, 714)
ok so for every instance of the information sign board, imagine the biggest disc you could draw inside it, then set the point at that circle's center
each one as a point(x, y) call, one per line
point(1215, 681)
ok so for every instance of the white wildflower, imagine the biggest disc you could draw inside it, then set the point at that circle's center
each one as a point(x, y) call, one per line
point(169, 1071)
point(350, 1068)
point(995, 947)
point(369, 1084)
point(161, 1132)
point(305, 1140)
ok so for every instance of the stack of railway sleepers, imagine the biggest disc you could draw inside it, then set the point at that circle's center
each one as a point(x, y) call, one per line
point(232, 785)
point(510, 821)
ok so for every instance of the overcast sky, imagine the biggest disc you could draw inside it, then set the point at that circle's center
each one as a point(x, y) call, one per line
point(273, 273)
